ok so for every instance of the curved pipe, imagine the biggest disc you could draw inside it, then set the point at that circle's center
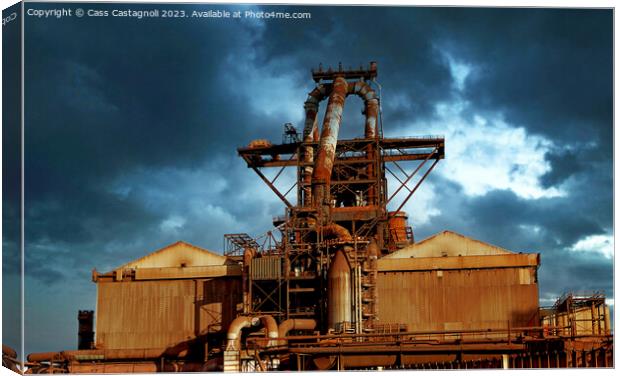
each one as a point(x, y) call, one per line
point(294, 324)
point(233, 336)
point(314, 176)
point(337, 231)
point(371, 110)
point(371, 106)
point(323, 165)
point(271, 329)
point(311, 106)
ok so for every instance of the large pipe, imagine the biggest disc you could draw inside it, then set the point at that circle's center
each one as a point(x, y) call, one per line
point(371, 106)
point(321, 176)
point(338, 291)
point(323, 165)
point(294, 324)
point(271, 329)
point(311, 107)
point(336, 231)
point(233, 336)
point(371, 111)
point(311, 134)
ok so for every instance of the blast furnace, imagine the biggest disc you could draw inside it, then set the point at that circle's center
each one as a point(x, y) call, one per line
point(340, 283)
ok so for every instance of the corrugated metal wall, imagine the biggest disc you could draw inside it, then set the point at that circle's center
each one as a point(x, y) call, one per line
point(458, 299)
point(160, 314)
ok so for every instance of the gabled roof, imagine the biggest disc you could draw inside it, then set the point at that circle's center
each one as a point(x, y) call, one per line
point(176, 255)
point(448, 243)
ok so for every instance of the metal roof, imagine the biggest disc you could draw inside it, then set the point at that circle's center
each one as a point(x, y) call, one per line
point(179, 254)
point(446, 244)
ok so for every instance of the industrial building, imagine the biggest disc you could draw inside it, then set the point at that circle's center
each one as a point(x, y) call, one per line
point(340, 283)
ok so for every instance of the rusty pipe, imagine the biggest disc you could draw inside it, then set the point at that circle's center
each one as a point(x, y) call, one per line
point(371, 111)
point(294, 324)
point(311, 107)
point(311, 134)
point(44, 356)
point(233, 336)
point(336, 231)
point(371, 106)
point(8, 351)
point(321, 175)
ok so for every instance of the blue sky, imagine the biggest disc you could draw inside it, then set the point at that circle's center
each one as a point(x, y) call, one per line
point(132, 129)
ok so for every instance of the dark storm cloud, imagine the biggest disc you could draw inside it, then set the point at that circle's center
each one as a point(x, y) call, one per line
point(116, 98)
point(132, 127)
point(564, 164)
point(546, 69)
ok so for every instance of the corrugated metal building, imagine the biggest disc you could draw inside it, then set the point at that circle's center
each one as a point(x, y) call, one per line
point(446, 282)
point(452, 282)
point(166, 298)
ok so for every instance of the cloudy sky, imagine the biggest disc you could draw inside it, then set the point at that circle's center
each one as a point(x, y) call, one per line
point(132, 129)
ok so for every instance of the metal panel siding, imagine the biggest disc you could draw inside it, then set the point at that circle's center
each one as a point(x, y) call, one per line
point(459, 299)
point(188, 272)
point(464, 262)
point(159, 314)
point(269, 267)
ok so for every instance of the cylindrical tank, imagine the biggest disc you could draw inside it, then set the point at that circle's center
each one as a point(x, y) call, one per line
point(338, 291)
point(398, 226)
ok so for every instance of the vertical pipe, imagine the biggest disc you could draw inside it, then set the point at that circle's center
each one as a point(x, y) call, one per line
point(310, 134)
point(371, 112)
point(354, 306)
point(321, 175)
point(359, 297)
point(248, 254)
